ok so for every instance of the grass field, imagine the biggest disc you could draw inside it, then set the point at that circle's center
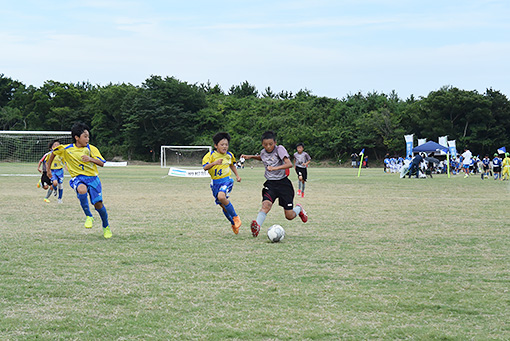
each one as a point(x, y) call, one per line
point(380, 258)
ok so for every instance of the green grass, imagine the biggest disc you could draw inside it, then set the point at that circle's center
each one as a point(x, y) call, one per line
point(380, 258)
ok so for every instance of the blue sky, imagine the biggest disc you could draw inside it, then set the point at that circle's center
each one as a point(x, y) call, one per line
point(332, 48)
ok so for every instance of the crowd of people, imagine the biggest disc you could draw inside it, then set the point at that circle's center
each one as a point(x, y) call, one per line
point(422, 165)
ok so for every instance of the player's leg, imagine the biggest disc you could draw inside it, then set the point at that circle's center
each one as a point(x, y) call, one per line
point(228, 208)
point(96, 198)
point(285, 199)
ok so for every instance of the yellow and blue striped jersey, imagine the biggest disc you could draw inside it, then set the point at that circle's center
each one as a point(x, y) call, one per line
point(71, 155)
point(219, 171)
point(57, 162)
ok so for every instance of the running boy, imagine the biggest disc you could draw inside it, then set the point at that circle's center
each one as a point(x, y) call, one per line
point(42, 167)
point(82, 160)
point(220, 163)
point(301, 162)
point(57, 174)
point(276, 160)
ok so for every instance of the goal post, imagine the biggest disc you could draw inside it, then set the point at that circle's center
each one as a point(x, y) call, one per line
point(28, 146)
point(183, 155)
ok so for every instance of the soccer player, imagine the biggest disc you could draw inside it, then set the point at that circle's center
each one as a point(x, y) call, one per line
point(82, 160)
point(301, 162)
point(220, 163)
point(57, 174)
point(486, 166)
point(496, 166)
point(42, 168)
point(277, 186)
point(506, 167)
point(466, 161)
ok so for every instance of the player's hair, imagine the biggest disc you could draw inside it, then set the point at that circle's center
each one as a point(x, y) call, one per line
point(78, 129)
point(50, 144)
point(300, 144)
point(269, 135)
point(220, 136)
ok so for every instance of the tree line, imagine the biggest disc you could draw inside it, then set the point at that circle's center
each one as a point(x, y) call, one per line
point(134, 121)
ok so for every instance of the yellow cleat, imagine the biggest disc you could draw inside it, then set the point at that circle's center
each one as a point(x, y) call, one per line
point(107, 233)
point(46, 200)
point(88, 222)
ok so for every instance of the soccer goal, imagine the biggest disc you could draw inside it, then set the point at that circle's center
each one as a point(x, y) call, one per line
point(183, 155)
point(28, 146)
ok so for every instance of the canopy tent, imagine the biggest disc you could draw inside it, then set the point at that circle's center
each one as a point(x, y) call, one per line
point(430, 146)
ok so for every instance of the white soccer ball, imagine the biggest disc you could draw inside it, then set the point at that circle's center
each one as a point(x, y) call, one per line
point(275, 233)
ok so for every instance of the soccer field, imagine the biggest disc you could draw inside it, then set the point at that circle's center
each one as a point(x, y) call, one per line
point(380, 257)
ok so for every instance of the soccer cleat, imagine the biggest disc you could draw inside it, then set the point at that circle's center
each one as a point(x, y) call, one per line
point(302, 194)
point(255, 228)
point(237, 224)
point(107, 233)
point(302, 214)
point(298, 192)
point(88, 222)
point(46, 200)
point(60, 201)
point(39, 184)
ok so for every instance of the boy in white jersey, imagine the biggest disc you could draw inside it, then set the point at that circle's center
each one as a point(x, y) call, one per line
point(301, 162)
point(278, 186)
point(220, 163)
point(82, 160)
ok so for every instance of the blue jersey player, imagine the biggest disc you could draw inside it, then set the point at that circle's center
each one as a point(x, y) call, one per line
point(220, 163)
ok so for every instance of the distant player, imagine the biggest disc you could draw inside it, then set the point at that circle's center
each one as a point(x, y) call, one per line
point(277, 186)
point(57, 175)
point(496, 166)
point(42, 168)
point(506, 167)
point(466, 161)
point(486, 162)
point(220, 163)
point(82, 160)
point(301, 162)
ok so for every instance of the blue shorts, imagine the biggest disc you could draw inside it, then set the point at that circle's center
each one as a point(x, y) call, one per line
point(222, 185)
point(93, 186)
point(465, 165)
point(57, 174)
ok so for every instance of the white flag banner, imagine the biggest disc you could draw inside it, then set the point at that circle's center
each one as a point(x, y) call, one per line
point(409, 145)
point(443, 141)
point(421, 141)
point(115, 164)
point(188, 173)
point(452, 146)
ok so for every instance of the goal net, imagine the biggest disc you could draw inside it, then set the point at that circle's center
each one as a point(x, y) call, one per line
point(28, 146)
point(183, 155)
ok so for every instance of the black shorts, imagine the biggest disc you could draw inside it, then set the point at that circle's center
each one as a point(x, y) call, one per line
point(281, 190)
point(300, 171)
point(45, 180)
point(497, 169)
point(485, 167)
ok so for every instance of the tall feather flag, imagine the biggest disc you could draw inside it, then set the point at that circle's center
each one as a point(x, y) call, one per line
point(502, 150)
point(361, 156)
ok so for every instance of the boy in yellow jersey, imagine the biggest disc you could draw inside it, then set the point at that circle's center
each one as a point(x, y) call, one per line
point(82, 160)
point(220, 163)
point(506, 167)
point(57, 174)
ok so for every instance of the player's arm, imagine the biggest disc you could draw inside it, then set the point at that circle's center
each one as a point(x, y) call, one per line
point(208, 166)
point(234, 169)
point(48, 164)
point(247, 157)
point(286, 164)
point(86, 158)
point(40, 163)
